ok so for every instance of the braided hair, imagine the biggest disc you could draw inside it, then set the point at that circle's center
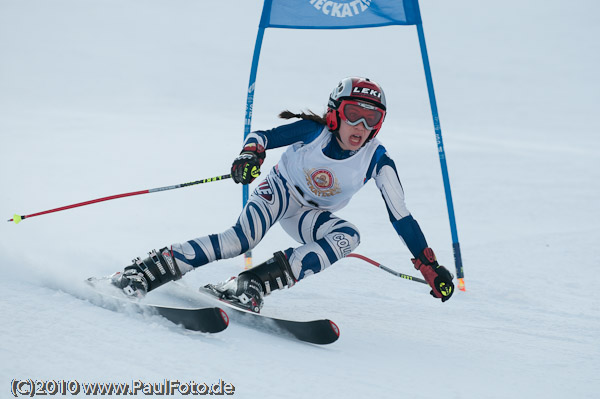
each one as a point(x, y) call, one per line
point(311, 116)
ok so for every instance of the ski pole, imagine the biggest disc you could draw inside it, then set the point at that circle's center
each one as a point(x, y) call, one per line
point(17, 218)
point(387, 269)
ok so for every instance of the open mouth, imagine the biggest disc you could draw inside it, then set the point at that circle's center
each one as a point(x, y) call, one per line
point(355, 140)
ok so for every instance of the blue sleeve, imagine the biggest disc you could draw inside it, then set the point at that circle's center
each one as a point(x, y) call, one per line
point(383, 170)
point(411, 233)
point(303, 131)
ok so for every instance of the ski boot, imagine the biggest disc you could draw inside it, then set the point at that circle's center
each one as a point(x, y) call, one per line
point(249, 288)
point(145, 275)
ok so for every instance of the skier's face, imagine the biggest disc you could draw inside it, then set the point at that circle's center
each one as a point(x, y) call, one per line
point(352, 137)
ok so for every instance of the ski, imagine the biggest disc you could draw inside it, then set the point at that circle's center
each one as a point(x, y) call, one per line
point(205, 319)
point(320, 332)
point(209, 320)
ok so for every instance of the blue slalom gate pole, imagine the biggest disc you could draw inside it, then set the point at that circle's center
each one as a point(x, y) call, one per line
point(442, 154)
point(250, 105)
point(250, 97)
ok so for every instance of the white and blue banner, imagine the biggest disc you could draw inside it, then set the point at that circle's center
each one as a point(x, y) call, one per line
point(338, 14)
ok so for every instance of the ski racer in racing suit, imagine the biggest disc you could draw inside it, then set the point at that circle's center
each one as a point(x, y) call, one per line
point(328, 159)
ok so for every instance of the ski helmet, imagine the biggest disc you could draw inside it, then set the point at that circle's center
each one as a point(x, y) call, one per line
point(356, 100)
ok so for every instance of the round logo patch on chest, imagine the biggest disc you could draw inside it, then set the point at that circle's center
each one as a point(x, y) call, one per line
point(322, 178)
point(322, 182)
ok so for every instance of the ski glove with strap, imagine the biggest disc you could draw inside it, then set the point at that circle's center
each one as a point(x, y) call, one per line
point(246, 167)
point(437, 276)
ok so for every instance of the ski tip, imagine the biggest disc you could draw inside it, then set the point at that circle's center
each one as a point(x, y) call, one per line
point(335, 328)
point(224, 316)
point(461, 284)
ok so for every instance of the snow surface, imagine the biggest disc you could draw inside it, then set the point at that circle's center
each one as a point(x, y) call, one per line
point(106, 97)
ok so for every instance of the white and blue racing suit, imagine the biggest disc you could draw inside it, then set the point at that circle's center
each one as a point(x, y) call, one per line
point(313, 178)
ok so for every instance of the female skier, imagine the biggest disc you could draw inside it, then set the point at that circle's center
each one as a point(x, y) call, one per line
point(328, 160)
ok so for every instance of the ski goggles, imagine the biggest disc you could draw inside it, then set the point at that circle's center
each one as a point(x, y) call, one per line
point(355, 112)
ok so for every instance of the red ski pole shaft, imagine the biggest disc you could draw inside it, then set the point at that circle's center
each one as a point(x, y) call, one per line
point(387, 269)
point(17, 218)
